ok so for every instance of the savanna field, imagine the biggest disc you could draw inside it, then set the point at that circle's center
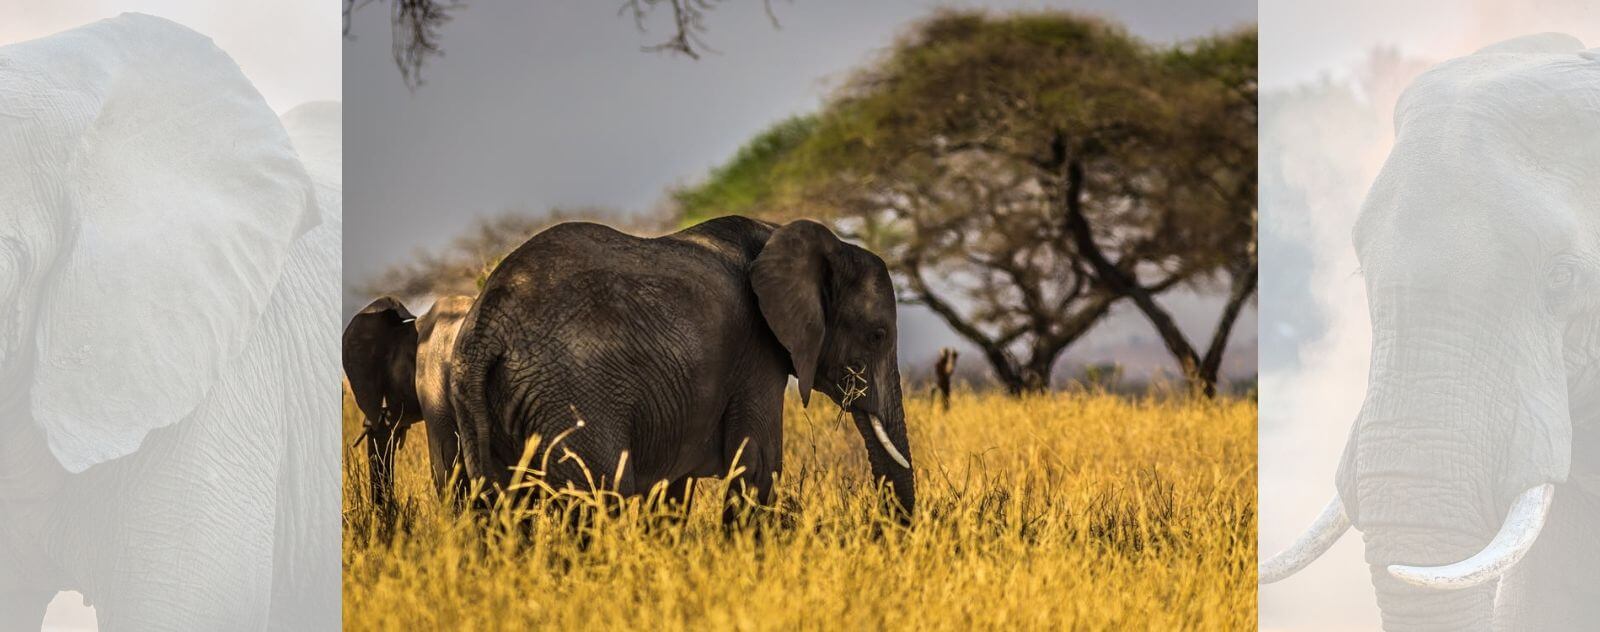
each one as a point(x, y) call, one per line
point(1066, 511)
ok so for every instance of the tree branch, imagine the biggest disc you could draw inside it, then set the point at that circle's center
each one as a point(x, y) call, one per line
point(1244, 286)
point(1113, 276)
point(1002, 362)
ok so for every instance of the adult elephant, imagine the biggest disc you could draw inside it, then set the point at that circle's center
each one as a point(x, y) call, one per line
point(662, 360)
point(398, 368)
point(1474, 466)
point(168, 288)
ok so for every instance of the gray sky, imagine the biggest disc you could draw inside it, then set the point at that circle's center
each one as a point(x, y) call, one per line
point(544, 104)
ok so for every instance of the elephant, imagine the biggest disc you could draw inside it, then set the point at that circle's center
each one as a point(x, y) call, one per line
point(169, 256)
point(655, 361)
point(398, 368)
point(1473, 468)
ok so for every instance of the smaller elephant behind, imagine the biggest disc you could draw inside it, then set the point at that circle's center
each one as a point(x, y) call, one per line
point(399, 370)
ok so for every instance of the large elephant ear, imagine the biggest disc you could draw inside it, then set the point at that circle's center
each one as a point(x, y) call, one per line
point(176, 196)
point(788, 278)
point(379, 331)
point(317, 131)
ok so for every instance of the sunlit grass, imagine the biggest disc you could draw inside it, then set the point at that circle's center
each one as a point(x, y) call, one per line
point(1065, 511)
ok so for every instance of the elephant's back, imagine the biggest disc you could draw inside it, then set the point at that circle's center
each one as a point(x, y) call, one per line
point(584, 318)
point(605, 278)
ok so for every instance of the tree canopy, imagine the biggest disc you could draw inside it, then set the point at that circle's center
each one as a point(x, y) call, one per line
point(1021, 173)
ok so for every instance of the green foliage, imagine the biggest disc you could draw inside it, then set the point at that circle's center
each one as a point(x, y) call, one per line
point(737, 187)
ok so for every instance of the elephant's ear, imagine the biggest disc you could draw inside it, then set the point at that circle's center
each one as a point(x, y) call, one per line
point(371, 340)
point(177, 196)
point(788, 278)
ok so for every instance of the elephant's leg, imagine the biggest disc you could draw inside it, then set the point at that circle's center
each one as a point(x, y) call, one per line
point(461, 484)
point(753, 444)
point(444, 459)
point(747, 492)
point(382, 446)
point(671, 507)
point(23, 610)
point(680, 495)
point(588, 471)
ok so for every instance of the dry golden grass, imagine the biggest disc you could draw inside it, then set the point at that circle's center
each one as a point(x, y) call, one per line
point(1066, 511)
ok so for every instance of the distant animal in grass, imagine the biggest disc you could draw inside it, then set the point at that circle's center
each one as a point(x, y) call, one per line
point(943, 369)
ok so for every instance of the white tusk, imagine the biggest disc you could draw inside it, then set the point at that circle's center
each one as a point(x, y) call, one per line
point(1325, 531)
point(883, 438)
point(1516, 536)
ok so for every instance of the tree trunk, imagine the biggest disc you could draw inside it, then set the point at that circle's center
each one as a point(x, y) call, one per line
point(1201, 373)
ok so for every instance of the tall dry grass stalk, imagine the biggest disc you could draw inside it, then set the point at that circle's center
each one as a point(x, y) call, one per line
point(1062, 511)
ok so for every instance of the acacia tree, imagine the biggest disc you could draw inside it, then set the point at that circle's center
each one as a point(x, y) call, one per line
point(1204, 198)
point(1021, 174)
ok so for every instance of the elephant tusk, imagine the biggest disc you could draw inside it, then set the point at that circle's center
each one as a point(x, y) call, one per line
point(1326, 530)
point(1517, 534)
point(888, 446)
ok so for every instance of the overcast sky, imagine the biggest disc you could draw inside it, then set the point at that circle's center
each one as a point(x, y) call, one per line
point(545, 104)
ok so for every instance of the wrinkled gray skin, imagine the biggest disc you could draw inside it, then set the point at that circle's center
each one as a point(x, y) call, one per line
point(398, 368)
point(675, 351)
point(1480, 246)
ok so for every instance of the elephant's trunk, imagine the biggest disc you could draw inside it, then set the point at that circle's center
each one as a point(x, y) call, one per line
point(382, 444)
point(1442, 451)
point(888, 448)
point(1418, 480)
point(1410, 517)
point(1409, 608)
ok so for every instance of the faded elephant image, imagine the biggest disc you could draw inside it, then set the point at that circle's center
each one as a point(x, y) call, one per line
point(169, 256)
point(1473, 468)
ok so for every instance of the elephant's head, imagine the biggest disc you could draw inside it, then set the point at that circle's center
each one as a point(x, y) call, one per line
point(1480, 246)
point(832, 307)
point(380, 358)
point(148, 204)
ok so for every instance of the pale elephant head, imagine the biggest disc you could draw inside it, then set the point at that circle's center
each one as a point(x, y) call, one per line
point(148, 203)
point(1480, 246)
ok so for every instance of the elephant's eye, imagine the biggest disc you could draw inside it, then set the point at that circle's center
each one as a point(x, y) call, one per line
point(1560, 283)
point(1561, 275)
point(879, 335)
